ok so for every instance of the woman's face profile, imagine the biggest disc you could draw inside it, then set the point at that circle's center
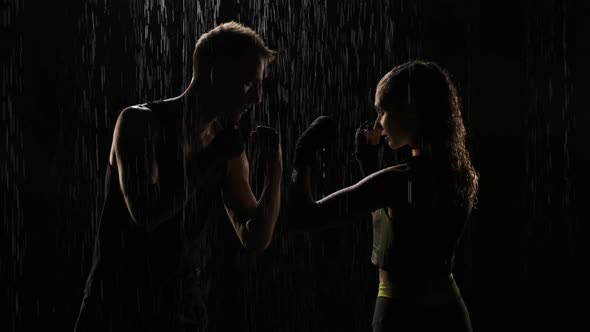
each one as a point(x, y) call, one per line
point(397, 122)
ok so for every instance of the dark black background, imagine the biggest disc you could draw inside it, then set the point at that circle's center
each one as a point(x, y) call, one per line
point(68, 68)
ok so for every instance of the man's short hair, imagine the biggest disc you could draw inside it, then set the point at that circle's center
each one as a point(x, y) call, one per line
point(226, 41)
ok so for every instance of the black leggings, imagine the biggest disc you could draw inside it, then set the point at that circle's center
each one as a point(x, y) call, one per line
point(393, 315)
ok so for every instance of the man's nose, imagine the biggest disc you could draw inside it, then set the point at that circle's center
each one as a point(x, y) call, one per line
point(255, 94)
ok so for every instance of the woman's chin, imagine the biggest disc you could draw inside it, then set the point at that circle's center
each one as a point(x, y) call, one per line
point(394, 146)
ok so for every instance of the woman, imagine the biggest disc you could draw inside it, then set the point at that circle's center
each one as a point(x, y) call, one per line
point(419, 207)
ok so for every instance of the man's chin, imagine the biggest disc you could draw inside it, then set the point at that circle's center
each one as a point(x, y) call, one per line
point(231, 119)
point(235, 120)
point(238, 115)
point(232, 123)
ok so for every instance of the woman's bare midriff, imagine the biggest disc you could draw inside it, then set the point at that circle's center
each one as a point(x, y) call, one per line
point(384, 277)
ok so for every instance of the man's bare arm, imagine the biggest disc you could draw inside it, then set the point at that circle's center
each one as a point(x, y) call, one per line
point(254, 221)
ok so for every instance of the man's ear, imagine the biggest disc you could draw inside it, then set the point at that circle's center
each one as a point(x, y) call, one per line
point(213, 75)
point(203, 77)
point(217, 75)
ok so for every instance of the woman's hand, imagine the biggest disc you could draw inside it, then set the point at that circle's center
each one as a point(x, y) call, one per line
point(373, 134)
point(367, 141)
point(368, 134)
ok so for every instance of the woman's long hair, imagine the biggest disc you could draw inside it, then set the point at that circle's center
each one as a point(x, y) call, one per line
point(429, 89)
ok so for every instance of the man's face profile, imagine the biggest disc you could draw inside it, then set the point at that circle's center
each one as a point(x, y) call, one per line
point(236, 85)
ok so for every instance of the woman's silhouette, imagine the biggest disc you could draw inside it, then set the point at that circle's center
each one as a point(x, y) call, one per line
point(419, 207)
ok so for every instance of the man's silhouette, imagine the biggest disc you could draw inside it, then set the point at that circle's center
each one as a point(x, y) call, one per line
point(169, 153)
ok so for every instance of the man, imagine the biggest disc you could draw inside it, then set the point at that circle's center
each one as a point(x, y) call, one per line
point(165, 155)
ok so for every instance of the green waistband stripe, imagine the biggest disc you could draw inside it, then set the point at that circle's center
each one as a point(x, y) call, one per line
point(424, 291)
point(385, 290)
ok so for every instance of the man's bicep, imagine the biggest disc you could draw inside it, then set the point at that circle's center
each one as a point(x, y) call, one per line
point(136, 164)
point(238, 198)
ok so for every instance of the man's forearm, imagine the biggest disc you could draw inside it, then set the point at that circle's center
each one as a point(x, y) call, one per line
point(261, 227)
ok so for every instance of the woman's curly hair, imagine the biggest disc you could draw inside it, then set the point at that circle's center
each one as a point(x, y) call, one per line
point(440, 125)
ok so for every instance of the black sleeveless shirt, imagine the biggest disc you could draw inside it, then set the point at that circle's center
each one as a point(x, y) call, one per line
point(419, 239)
point(148, 280)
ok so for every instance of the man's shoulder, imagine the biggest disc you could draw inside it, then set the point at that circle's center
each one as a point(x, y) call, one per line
point(137, 115)
point(136, 121)
point(143, 109)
